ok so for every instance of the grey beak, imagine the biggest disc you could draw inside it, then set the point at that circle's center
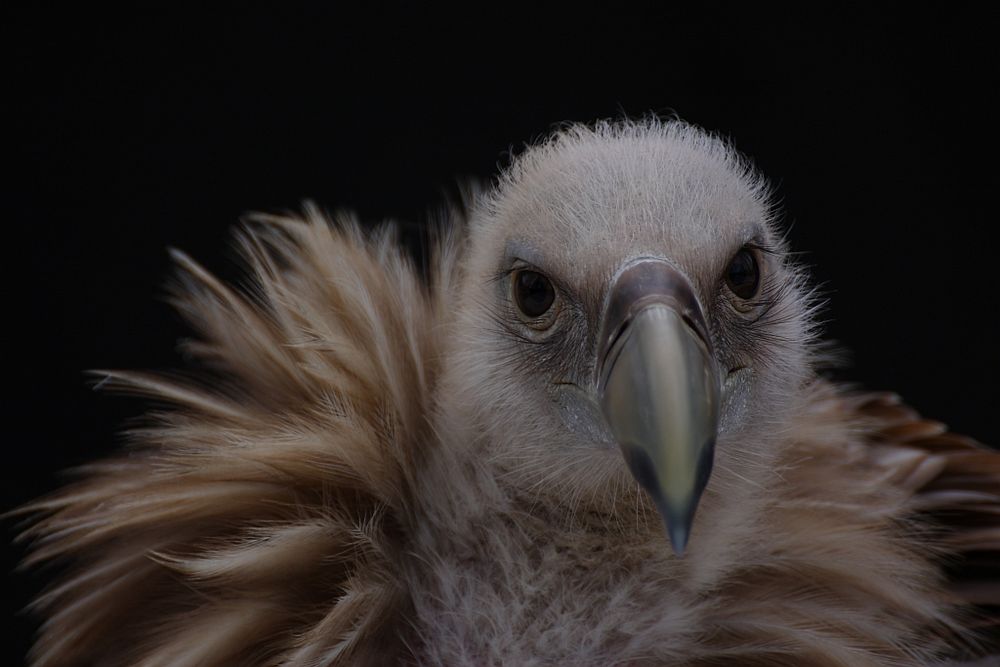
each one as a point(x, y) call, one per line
point(658, 387)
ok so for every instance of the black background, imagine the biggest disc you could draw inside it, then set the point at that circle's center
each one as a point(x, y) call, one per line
point(126, 133)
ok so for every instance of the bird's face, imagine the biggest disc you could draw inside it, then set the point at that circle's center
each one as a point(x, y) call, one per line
point(631, 312)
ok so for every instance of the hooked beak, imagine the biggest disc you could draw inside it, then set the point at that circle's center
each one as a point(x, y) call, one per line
point(658, 387)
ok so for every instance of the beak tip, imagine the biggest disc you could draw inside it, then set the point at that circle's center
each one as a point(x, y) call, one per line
point(677, 527)
point(678, 539)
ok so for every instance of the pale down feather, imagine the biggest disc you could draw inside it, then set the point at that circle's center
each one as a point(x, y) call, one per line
point(382, 463)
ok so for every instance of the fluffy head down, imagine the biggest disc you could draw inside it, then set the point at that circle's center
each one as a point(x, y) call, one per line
point(577, 208)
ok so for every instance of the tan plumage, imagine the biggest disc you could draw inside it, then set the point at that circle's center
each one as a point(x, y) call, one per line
point(365, 473)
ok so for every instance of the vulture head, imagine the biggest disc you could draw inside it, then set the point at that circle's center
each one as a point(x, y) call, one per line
point(630, 311)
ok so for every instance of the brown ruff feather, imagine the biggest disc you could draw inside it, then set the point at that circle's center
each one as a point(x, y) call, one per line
point(253, 521)
point(955, 483)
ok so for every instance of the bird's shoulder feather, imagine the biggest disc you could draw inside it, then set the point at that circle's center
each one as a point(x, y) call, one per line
point(953, 485)
point(939, 493)
point(259, 516)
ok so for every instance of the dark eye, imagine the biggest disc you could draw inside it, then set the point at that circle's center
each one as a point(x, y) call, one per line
point(743, 274)
point(533, 293)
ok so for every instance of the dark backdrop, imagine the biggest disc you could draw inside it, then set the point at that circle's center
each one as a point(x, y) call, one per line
point(128, 133)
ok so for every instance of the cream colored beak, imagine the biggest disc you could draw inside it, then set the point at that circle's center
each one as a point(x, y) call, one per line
point(659, 389)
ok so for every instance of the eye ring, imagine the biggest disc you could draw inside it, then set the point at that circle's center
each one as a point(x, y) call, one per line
point(534, 296)
point(743, 274)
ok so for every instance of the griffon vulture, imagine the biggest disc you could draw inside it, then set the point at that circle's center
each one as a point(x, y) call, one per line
point(587, 430)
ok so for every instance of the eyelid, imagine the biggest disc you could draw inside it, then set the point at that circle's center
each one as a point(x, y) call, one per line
point(759, 244)
point(516, 265)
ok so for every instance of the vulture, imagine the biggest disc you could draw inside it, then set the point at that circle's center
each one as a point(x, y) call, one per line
point(588, 425)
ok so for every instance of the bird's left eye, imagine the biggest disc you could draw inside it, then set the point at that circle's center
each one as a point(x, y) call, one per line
point(533, 293)
point(743, 274)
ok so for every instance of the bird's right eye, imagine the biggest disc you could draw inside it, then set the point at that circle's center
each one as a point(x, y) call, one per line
point(533, 293)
